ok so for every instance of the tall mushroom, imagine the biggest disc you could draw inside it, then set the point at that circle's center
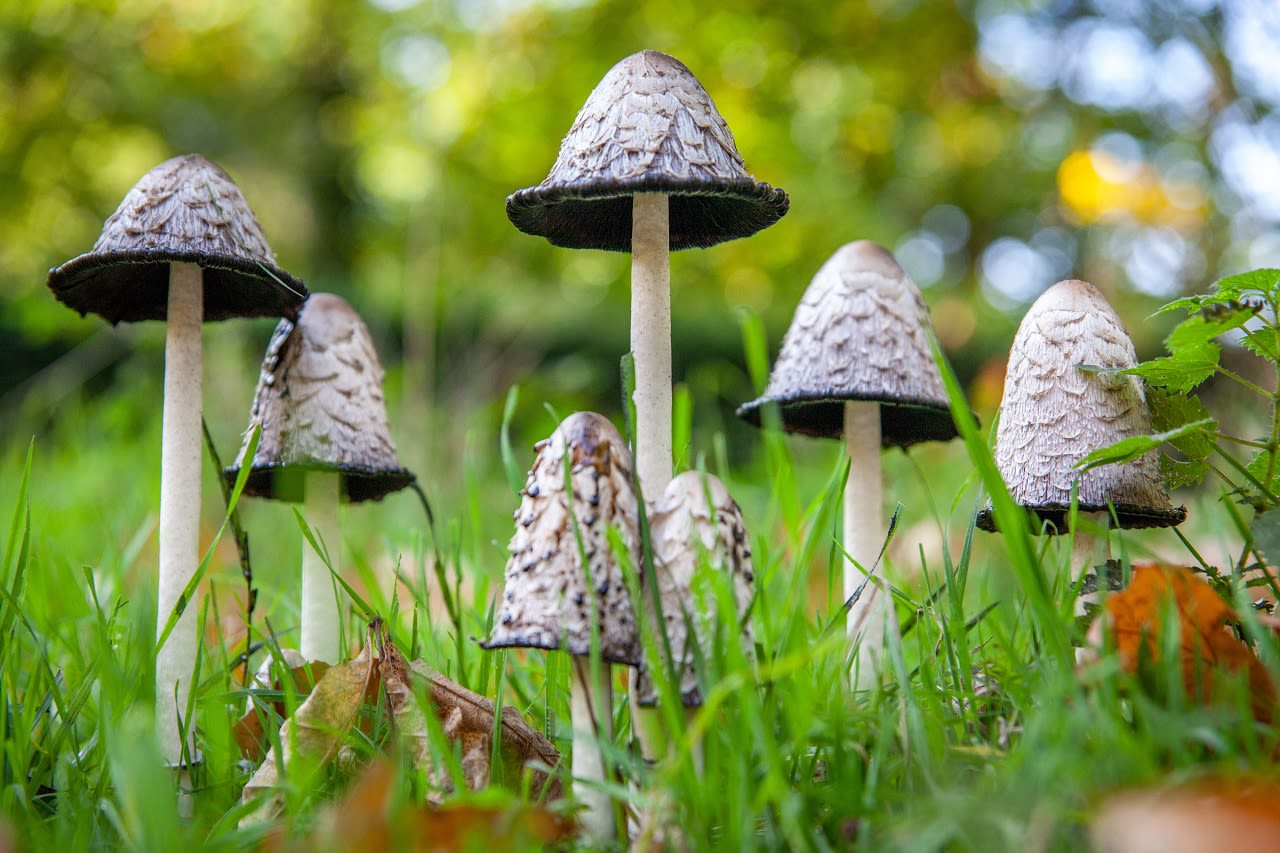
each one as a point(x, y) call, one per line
point(565, 589)
point(324, 437)
point(183, 247)
point(649, 166)
point(695, 522)
point(856, 361)
point(1053, 414)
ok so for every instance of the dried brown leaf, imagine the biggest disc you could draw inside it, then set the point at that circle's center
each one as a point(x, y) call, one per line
point(311, 737)
point(1208, 645)
point(1242, 816)
point(250, 731)
point(466, 718)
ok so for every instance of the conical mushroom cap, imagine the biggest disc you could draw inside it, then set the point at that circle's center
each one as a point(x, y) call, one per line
point(1053, 415)
point(548, 595)
point(648, 126)
point(859, 333)
point(185, 210)
point(695, 520)
point(320, 404)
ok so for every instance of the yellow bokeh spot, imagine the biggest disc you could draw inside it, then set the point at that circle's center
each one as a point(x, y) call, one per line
point(1095, 187)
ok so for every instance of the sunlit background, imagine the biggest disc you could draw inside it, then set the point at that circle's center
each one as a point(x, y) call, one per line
point(996, 147)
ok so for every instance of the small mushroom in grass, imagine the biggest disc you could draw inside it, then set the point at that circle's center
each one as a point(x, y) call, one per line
point(565, 587)
point(324, 437)
point(1054, 413)
point(695, 522)
point(856, 362)
point(183, 247)
point(649, 166)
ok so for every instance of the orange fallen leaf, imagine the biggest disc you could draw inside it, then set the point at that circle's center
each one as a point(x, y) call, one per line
point(1240, 815)
point(250, 732)
point(1207, 645)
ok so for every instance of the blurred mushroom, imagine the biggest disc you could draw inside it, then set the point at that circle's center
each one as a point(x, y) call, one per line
point(324, 437)
point(649, 166)
point(565, 588)
point(695, 523)
point(183, 247)
point(856, 362)
point(1054, 413)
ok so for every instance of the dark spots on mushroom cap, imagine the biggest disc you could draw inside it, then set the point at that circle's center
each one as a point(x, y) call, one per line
point(507, 619)
point(533, 491)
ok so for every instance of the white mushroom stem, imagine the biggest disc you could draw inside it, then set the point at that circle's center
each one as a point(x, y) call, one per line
point(179, 517)
point(320, 613)
point(863, 539)
point(651, 340)
point(591, 714)
point(1090, 547)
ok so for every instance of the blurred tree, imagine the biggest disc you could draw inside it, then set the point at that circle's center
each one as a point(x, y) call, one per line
point(995, 147)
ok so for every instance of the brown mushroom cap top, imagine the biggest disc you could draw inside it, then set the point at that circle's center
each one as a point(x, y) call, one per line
point(551, 594)
point(184, 210)
point(859, 333)
point(648, 126)
point(319, 401)
point(695, 522)
point(1053, 414)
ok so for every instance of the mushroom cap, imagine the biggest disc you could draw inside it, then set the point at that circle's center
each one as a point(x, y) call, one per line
point(184, 210)
point(319, 401)
point(859, 333)
point(695, 522)
point(1054, 414)
point(548, 597)
point(648, 126)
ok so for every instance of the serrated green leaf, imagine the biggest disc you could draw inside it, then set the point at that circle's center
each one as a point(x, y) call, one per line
point(1170, 411)
point(1264, 342)
point(1265, 531)
point(1179, 474)
point(1260, 282)
point(1266, 470)
point(1193, 355)
point(1129, 449)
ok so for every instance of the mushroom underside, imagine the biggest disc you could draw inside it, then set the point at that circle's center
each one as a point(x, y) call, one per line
point(902, 422)
point(1053, 518)
point(285, 482)
point(129, 286)
point(598, 215)
point(627, 654)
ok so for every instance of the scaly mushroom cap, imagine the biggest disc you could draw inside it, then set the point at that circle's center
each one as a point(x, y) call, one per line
point(550, 594)
point(185, 210)
point(686, 530)
point(1053, 414)
point(320, 404)
point(648, 126)
point(859, 333)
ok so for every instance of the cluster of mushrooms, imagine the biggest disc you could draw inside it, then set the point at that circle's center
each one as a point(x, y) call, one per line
point(649, 166)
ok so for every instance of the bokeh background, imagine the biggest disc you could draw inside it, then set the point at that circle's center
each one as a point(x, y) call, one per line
point(995, 147)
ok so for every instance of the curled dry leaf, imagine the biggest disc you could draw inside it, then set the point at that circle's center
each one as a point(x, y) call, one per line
point(318, 731)
point(371, 817)
point(250, 730)
point(312, 736)
point(1242, 816)
point(466, 718)
point(1208, 646)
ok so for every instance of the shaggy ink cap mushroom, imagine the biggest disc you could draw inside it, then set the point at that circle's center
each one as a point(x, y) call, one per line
point(648, 127)
point(1053, 414)
point(859, 333)
point(695, 520)
point(321, 407)
point(186, 210)
point(548, 602)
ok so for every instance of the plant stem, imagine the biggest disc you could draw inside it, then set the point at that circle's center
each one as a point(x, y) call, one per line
point(591, 715)
point(863, 534)
point(651, 340)
point(179, 518)
point(319, 612)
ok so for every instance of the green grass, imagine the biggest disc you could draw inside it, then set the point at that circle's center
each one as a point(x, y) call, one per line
point(982, 736)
